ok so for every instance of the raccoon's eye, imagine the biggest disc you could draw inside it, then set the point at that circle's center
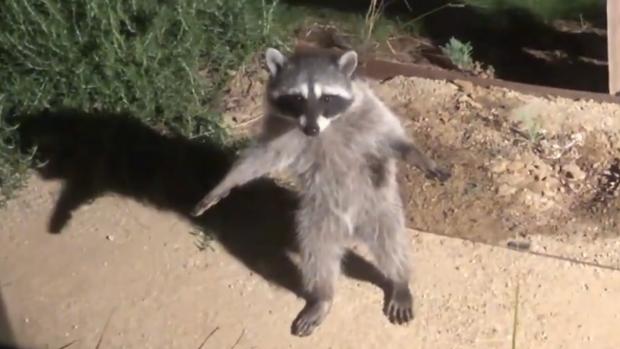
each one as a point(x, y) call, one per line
point(298, 98)
point(326, 98)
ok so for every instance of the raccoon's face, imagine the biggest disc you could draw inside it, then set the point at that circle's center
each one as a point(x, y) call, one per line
point(311, 89)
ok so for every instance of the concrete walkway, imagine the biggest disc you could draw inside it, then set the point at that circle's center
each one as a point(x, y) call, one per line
point(132, 277)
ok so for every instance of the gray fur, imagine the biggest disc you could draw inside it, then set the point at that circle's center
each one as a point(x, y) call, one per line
point(275, 60)
point(348, 62)
point(349, 191)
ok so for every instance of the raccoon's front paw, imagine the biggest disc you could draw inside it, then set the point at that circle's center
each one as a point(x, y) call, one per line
point(209, 201)
point(439, 173)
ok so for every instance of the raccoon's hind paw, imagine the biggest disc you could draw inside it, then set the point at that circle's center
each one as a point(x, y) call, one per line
point(399, 309)
point(440, 174)
point(311, 316)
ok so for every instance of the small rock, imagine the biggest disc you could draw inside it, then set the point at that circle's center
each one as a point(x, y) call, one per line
point(499, 166)
point(464, 85)
point(506, 190)
point(519, 245)
point(516, 165)
point(538, 187)
point(515, 180)
point(110, 237)
point(572, 171)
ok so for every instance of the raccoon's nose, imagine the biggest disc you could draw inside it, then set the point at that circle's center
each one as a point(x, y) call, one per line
point(311, 130)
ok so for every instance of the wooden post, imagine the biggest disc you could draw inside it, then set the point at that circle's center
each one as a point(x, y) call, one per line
point(613, 45)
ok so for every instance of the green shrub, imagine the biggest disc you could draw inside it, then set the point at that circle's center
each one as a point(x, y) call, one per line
point(164, 62)
point(13, 164)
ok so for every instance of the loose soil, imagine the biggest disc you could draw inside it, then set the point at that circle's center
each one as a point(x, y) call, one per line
point(540, 173)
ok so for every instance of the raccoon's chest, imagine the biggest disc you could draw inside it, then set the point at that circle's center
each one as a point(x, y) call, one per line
point(333, 165)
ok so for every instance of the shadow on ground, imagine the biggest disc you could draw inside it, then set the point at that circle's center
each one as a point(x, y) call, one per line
point(95, 154)
point(6, 335)
point(519, 45)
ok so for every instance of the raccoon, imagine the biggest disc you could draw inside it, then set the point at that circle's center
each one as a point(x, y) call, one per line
point(326, 127)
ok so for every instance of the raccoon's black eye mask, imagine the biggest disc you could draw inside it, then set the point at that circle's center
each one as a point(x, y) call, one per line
point(328, 105)
point(333, 105)
point(292, 105)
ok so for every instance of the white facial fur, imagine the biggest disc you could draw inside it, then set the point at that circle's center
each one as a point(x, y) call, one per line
point(318, 90)
point(302, 121)
point(297, 90)
point(336, 91)
point(323, 122)
point(303, 89)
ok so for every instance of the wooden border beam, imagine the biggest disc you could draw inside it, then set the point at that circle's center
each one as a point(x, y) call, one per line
point(613, 45)
point(381, 70)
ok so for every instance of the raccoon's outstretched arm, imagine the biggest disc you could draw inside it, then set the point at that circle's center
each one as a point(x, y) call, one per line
point(254, 162)
point(405, 150)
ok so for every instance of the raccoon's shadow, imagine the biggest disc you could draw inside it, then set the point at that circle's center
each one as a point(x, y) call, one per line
point(101, 153)
point(6, 334)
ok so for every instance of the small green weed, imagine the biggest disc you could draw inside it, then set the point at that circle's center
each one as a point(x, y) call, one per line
point(532, 127)
point(204, 240)
point(375, 9)
point(459, 53)
point(515, 319)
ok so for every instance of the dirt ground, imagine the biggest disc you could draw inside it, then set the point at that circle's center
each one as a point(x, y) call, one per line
point(533, 174)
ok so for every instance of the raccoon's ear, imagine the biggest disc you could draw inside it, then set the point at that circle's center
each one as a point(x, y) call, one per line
point(348, 62)
point(275, 60)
